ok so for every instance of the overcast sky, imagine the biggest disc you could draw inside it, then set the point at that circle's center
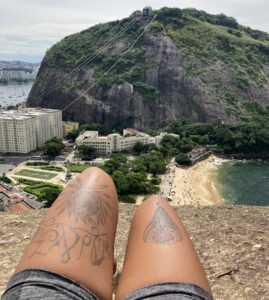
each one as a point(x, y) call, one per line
point(29, 27)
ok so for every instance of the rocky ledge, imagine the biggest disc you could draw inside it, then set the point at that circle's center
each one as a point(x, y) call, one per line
point(232, 242)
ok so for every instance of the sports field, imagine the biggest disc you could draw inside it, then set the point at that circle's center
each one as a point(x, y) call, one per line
point(36, 174)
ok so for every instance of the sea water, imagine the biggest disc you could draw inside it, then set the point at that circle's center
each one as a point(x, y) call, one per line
point(14, 93)
point(244, 183)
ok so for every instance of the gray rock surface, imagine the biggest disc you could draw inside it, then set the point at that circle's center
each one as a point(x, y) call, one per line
point(232, 243)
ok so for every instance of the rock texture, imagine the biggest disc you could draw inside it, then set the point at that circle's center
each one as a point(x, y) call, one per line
point(181, 92)
point(232, 243)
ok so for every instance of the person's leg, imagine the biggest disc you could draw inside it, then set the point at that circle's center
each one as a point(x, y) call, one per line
point(159, 250)
point(76, 237)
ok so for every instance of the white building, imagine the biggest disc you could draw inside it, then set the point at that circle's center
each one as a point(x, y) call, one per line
point(18, 74)
point(26, 130)
point(113, 142)
point(17, 134)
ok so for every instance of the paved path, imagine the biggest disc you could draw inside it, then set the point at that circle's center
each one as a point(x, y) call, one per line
point(167, 180)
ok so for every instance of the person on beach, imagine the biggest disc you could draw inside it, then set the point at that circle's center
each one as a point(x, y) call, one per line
point(71, 254)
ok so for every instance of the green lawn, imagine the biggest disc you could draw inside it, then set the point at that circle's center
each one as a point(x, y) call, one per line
point(51, 168)
point(36, 174)
point(45, 191)
point(37, 189)
point(75, 168)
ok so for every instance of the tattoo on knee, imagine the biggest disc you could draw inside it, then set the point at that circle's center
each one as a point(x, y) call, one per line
point(87, 202)
point(73, 242)
point(162, 229)
point(84, 201)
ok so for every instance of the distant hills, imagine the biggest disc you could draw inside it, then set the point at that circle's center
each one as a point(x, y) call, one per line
point(17, 65)
point(188, 64)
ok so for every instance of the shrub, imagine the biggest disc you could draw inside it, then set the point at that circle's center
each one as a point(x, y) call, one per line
point(127, 199)
point(156, 27)
point(5, 179)
point(28, 181)
point(37, 163)
point(148, 92)
point(44, 192)
point(241, 82)
point(183, 159)
point(52, 168)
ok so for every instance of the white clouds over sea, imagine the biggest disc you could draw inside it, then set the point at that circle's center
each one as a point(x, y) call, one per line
point(29, 27)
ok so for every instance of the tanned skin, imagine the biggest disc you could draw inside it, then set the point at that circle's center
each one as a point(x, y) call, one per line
point(76, 240)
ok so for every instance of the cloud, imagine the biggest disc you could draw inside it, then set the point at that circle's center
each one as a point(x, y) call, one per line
point(29, 27)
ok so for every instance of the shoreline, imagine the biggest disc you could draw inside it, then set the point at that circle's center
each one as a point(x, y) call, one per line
point(195, 185)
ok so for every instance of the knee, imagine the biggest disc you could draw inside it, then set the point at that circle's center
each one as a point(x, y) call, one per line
point(154, 199)
point(96, 172)
point(151, 203)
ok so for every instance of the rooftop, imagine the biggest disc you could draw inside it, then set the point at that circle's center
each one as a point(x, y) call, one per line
point(15, 200)
point(25, 113)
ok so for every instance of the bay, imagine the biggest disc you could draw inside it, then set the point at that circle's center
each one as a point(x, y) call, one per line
point(14, 93)
point(244, 183)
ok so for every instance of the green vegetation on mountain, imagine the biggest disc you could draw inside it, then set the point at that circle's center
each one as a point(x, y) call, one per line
point(244, 139)
point(189, 64)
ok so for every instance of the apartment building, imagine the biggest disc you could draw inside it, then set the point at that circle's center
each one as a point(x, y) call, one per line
point(113, 142)
point(17, 134)
point(26, 130)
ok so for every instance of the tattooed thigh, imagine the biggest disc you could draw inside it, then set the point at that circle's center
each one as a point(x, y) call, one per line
point(162, 229)
point(73, 242)
point(85, 201)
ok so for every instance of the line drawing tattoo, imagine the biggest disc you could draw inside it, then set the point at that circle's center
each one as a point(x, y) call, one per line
point(162, 229)
point(72, 240)
point(87, 202)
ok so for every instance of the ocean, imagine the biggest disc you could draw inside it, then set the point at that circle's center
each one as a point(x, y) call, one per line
point(244, 183)
point(14, 93)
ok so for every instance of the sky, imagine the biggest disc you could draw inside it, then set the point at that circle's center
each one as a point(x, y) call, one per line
point(29, 27)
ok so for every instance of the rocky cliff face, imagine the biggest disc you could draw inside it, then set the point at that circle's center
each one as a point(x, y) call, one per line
point(196, 70)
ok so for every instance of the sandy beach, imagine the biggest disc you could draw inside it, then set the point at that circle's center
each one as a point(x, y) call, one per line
point(195, 185)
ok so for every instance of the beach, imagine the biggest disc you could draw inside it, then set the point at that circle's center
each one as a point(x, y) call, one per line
point(193, 185)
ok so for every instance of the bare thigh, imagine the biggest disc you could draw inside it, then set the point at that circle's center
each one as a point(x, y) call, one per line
point(159, 250)
point(76, 237)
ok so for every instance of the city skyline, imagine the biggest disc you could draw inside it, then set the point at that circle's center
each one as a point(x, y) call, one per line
point(27, 30)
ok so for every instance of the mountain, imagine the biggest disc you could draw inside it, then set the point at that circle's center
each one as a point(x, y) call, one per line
point(187, 64)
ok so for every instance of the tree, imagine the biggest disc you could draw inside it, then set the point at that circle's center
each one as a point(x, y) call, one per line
point(53, 147)
point(90, 127)
point(86, 151)
point(154, 162)
point(5, 179)
point(183, 159)
point(121, 182)
point(185, 145)
point(138, 166)
point(72, 135)
point(137, 182)
point(138, 148)
point(117, 162)
point(49, 195)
